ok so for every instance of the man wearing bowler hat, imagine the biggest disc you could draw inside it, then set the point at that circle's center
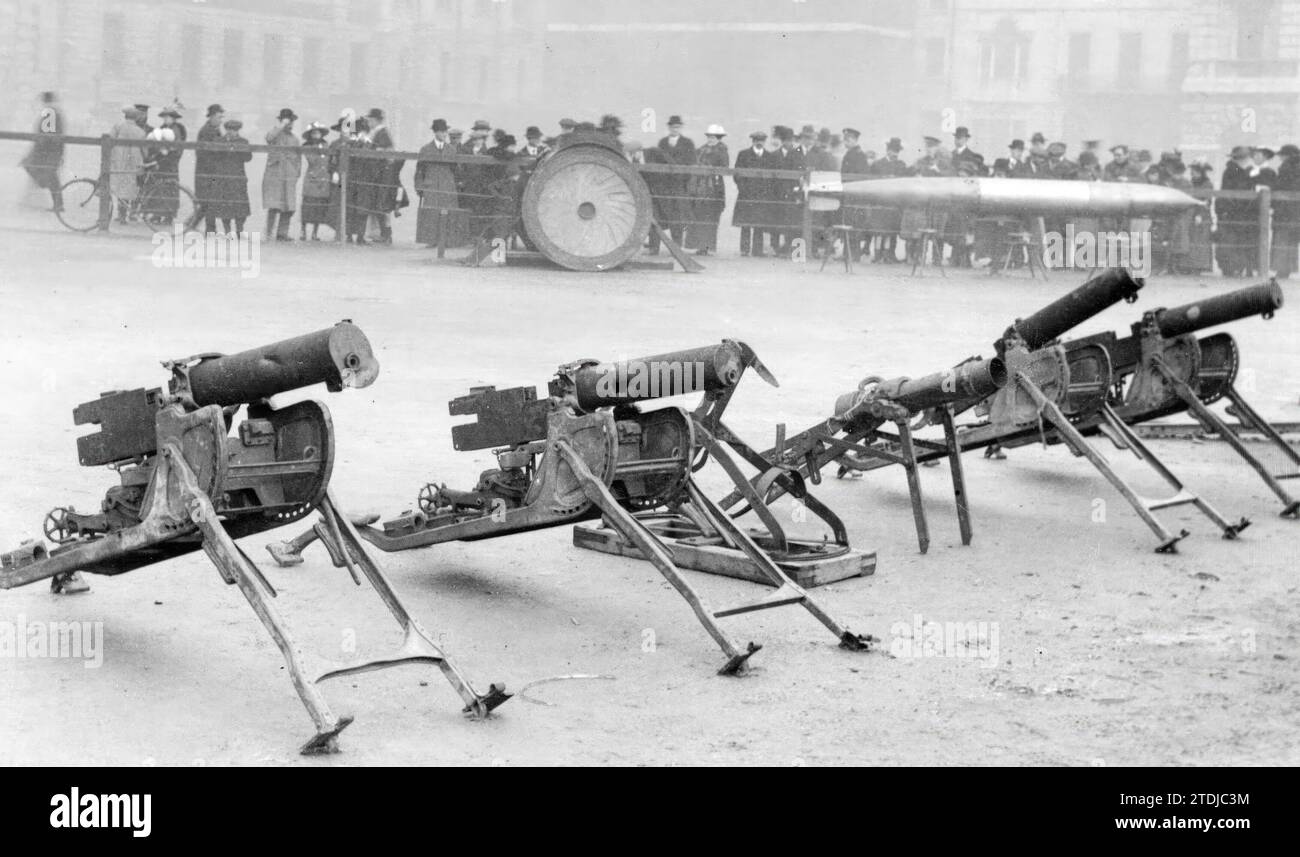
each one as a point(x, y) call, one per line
point(280, 180)
point(854, 166)
point(206, 165)
point(751, 195)
point(678, 150)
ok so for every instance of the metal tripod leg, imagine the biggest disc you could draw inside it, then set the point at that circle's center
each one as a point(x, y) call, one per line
point(654, 550)
point(1248, 417)
point(417, 646)
point(914, 485)
point(1182, 495)
point(957, 471)
point(235, 568)
point(787, 591)
point(1076, 441)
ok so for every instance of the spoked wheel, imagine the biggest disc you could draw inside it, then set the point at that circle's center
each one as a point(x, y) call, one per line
point(428, 499)
point(58, 528)
point(80, 205)
point(165, 204)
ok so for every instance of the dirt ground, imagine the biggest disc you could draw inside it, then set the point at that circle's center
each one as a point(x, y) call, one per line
point(1100, 652)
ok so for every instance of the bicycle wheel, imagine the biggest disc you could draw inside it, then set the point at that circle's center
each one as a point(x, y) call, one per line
point(164, 204)
point(80, 211)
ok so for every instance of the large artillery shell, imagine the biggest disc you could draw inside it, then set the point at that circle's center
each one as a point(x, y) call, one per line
point(1018, 196)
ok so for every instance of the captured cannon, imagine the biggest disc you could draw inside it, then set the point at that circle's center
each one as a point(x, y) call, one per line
point(192, 479)
point(1056, 392)
point(1163, 368)
point(582, 205)
point(853, 435)
point(588, 450)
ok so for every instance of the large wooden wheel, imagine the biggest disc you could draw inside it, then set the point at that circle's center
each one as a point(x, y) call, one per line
point(586, 208)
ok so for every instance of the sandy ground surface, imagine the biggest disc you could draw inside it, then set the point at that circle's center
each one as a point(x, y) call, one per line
point(1098, 651)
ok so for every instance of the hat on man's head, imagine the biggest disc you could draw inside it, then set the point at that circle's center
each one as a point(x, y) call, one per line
point(783, 132)
point(1038, 137)
point(568, 123)
point(481, 125)
point(1240, 152)
point(758, 136)
point(375, 113)
point(316, 128)
point(143, 108)
point(962, 131)
point(715, 130)
point(931, 141)
point(170, 111)
point(1017, 145)
point(824, 135)
point(455, 132)
point(675, 120)
point(1119, 149)
point(851, 132)
point(214, 109)
point(439, 125)
point(1056, 149)
point(232, 125)
point(807, 131)
point(1003, 164)
point(1265, 151)
point(286, 113)
point(532, 133)
point(894, 145)
point(1289, 150)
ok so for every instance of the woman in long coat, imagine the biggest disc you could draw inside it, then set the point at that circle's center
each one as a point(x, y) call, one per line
point(435, 184)
point(708, 193)
point(280, 179)
point(230, 182)
point(315, 182)
point(125, 163)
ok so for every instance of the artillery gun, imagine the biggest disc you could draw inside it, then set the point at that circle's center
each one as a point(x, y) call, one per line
point(191, 478)
point(1060, 392)
point(587, 451)
point(582, 206)
point(1162, 368)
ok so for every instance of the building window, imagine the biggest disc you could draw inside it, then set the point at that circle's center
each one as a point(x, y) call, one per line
point(272, 60)
point(232, 58)
point(934, 57)
point(1080, 57)
point(114, 45)
point(1130, 59)
point(1004, 54)
point(1179, 55)
point(357, 66)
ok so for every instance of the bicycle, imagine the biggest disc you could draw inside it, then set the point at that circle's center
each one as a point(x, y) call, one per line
point(152, 207)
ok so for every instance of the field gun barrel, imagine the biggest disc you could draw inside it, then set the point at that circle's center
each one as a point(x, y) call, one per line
point(1101, 292)
point(975, 379)
point(1262, 299)
point(710, 369)
point(338, 356)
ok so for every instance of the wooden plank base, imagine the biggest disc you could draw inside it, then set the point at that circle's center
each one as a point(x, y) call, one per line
point(731, 563)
